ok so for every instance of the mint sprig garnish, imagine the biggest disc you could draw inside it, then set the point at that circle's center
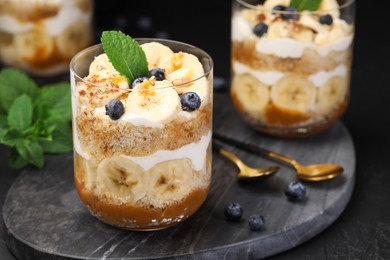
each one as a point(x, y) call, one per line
point(308, 5)
point(33, 120)
point(125, 54)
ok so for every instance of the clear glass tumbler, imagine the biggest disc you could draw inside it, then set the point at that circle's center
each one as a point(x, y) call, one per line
point(291, 65)
point(146, 164)
point(41, 37)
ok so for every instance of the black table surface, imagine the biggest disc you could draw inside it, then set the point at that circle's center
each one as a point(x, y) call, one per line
point(363, 229)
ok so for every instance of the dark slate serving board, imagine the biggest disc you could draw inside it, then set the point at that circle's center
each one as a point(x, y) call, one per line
point(44, 218)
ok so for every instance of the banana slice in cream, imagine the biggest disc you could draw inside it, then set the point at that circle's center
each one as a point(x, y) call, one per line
point(170, 181)
point(154, 100)
point(332, 94)
point(252, 94)
point(155, 53)
point(294, 92)
point(329, 7)
point(74, 38)
point(186, 72)
point(122, 179)
point(34, 45)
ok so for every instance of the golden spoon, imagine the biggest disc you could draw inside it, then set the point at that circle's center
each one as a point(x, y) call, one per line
point(246, 172)
point(313, 172)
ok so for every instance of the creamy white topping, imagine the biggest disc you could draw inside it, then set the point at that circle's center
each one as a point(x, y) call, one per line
point(320, 78)
point(196, 152)
point(271, 77)
point(241, 29)
point(266, 77)
point(289, 48)
point(279, 42)
point(11, 25)
point(69, 12)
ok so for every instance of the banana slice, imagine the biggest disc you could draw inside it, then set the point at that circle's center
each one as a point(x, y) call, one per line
point(294, 92)
point(330, 7)
point(101, 71)
point(122, 179)
point(181, 76)
point(74, 38)
point(154, 100)
point(332, 93)
point(170, 181)
point(85, 172)
point(155, 53)
point(182, 67)
point(269, 4)
point(251, 93)
point(34, 45)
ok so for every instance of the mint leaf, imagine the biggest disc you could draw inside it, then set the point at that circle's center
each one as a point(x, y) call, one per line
point(125, 54)
point(15, 161)
point(14, 138)
point(20, 113)
point(3, 126)
point(54, 101)
point(32, 153)
point(308, 5)
point(61, 143)
point(13, 83)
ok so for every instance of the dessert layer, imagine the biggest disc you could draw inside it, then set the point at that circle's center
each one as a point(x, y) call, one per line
point(271, 77)
point(311, 61)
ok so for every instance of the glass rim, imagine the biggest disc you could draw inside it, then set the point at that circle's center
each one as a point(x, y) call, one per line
point(161, 40)
point(251, 6)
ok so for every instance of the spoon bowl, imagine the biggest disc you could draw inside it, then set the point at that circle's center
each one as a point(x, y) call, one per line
point(246, 172)
point(313, 172)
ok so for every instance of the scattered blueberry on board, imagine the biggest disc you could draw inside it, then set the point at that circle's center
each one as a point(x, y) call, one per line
point(295, 191)
point(256, 222)
point(233, 211)
point(115, 109)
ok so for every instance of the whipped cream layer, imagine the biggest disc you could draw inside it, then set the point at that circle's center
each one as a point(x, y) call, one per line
point(271, 77)
point(337, 37)
point(68, 13)
point(196, 152)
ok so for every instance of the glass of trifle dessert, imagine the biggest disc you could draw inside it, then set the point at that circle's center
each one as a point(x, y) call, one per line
point(41, 36)
point(142, 127)
point(291, 64)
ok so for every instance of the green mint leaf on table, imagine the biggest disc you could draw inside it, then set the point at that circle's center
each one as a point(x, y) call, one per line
point(33, 120)
point(13, 83)
point(55, 101)
point(32, 153)
point(3, 126)
point(125, 54)
point(308, 5)
point(15, 161)
point(20, 113)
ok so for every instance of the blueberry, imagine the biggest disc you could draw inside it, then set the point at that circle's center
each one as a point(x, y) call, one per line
point(278, 8)
point(260, 29)
point(115, 109)
point(295, 191)
point(256, 222)
point(137, 81)
point(158, 73)
point(292, 14)
point(233, 211)
point(190, 101)
point(326, 19)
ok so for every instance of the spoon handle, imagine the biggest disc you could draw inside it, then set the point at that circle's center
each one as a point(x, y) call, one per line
point(256, 149)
